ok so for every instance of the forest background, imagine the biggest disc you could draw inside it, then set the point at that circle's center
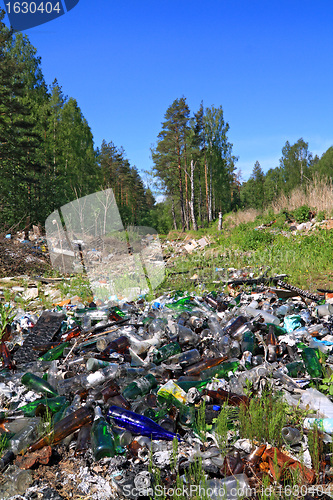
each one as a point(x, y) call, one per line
point(48, 157)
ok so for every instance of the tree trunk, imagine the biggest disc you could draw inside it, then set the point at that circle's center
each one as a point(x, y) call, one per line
point(219, 226)
point(180, 187)
point(187, 215)
point(194, 222)
point(173, 214)
point(207, 194)
point(210, 216)
point(200, 198)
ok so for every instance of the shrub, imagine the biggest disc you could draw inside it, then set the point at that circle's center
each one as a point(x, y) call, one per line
point(301, 214)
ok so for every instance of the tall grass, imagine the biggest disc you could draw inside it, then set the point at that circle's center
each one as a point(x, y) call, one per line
point(318, 194)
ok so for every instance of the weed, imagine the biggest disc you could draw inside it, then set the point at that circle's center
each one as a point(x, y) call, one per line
point(315, 443)
point(200, 423)
point(222, 427)
point(263, 419)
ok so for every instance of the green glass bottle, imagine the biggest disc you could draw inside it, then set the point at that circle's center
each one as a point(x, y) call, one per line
point(54, 353)
point(102, 442)
point(155, 413)
point(139, 387)
point(54, 404)
point(295, 369)
point(311, 362)
point(183, 304)
point(248, 341)
point(166, 352)
point(37, 384)
point(278, 330)
point(186, 385)
point(220, 371)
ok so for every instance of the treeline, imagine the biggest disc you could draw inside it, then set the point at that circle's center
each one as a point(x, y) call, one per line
point(194, 167)
point(47, 153)
point(297, 168)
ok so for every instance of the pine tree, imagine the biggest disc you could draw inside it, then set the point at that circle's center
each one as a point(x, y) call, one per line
point(169, 155)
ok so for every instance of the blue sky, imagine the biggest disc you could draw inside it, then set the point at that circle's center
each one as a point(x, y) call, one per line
point(268, 63)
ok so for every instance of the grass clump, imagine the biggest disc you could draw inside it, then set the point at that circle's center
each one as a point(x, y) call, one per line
point(263, 419)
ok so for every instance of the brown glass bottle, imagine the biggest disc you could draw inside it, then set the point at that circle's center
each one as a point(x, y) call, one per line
point(70, 334)
point(220, 396)
point(256, 454)
point(64, 428)
point(272, 345)
point(120, 401)
point(121, 344)
point(109, 390)
point(204, 365)
point(6, 357)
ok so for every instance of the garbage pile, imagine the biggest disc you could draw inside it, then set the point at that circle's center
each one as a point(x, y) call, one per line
point(20, 256)
point(174, 398)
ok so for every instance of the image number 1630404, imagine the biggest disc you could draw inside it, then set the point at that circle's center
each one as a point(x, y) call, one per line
point(30, 13)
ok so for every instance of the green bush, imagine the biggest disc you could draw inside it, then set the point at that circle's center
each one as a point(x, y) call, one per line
point(301, 214)
point(321, 215)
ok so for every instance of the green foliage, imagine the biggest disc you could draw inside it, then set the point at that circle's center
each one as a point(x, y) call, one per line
point(321, 215)
point(301, 214)
point(200, 423)
point(222, 426)
point(326, 386)
point(263, 419)
point(315, 443)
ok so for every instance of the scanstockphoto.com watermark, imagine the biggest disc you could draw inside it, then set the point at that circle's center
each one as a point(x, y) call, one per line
point(190, 491)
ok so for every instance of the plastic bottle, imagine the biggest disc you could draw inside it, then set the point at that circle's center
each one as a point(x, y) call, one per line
point(65, 427)
point(37, 384)
point(324, 310)
point(139, 387)
point(138, 424)
point(317, 401)
point(267, 317)
point(102, 442)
